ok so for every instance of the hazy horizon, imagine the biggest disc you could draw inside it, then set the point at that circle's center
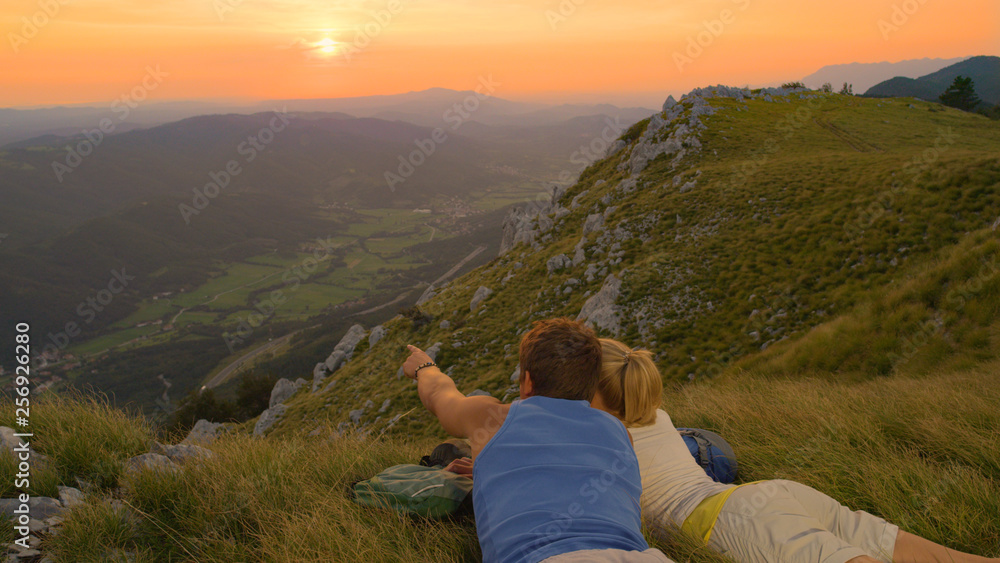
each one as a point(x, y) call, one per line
point(621, 99)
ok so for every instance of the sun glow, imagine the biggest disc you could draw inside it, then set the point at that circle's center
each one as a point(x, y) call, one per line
point(326, 46)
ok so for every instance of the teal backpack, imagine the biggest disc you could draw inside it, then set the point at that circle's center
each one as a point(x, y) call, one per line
point(430, 492)
point(712, 453)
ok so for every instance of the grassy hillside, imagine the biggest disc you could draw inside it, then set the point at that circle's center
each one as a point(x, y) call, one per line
point(816, 273)
point(803, 213)
point(921, 452)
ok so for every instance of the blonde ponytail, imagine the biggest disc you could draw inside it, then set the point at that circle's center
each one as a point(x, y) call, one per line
point(630, 384)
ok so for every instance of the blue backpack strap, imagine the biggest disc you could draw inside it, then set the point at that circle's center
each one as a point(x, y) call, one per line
point(704, 453)
point(719, 463)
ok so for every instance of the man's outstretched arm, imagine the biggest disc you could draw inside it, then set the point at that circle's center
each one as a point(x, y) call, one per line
point(460, 416)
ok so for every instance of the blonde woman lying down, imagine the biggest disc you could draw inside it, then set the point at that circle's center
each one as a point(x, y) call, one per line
point(796, 524)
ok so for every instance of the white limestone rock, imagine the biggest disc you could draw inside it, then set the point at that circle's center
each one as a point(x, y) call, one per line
point(181, 453)
point(375, 335)
point(481, 294)
point(203, 432)
point(427, 295)
point(593, 223)
point(341, 353)
point(283, 390)
point(601, 310)
point(268, 418)
point(70, 496)
point(150, 462)
point(558, 262)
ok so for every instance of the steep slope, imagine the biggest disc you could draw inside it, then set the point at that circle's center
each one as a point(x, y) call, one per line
point(724, 225)
point(985, 73)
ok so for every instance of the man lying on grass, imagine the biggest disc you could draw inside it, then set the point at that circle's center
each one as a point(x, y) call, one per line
point(556, 480)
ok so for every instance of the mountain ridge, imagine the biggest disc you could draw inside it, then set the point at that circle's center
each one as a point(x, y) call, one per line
point(984, 70)
point(865, 75)
point(424, 107)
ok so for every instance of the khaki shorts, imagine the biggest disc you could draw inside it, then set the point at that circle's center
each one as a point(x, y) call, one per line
point(610, 556)
point(786, 522)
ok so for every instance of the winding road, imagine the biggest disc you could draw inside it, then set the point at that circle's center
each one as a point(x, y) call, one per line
point(231, 369)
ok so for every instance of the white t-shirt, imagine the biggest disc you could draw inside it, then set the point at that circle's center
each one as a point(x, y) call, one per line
point(673, 484)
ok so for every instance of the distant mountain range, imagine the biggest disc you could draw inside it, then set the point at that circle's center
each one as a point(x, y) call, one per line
point(865, 75)
point(985, 73)
point(320, 157)
point(426, 108)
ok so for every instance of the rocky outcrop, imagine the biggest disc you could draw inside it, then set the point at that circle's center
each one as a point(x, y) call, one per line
point(524, 225)
point(593, 223)
point(181, 453)
point(481, 294)
point(427, 295)
point(70, 496)
point(284, 389)
point(681, 139)
point(267, 419)
point(741, 94)
point(675, 130)
point(44, 517)
point(345, 348)
point(433, 350)
point(558, 262)
point(341, 353)
point(150, 462)
point(319, 372)
point(356, 415)
point(615, 147)
point(376, 334)
point(13, 444)
point(203, 432)
point(601, 310)
point(39, 508)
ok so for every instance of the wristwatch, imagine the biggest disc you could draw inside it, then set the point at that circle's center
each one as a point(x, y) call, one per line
point(416, 372)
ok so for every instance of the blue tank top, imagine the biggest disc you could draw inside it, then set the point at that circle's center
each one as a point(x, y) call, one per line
point(559, 476)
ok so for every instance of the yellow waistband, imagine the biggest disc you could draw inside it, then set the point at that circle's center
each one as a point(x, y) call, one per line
point(701, 521)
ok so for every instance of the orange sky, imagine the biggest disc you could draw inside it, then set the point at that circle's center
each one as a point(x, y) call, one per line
point(621, 51)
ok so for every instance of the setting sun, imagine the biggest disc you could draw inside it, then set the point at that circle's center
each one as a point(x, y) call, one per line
point(326, 46)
